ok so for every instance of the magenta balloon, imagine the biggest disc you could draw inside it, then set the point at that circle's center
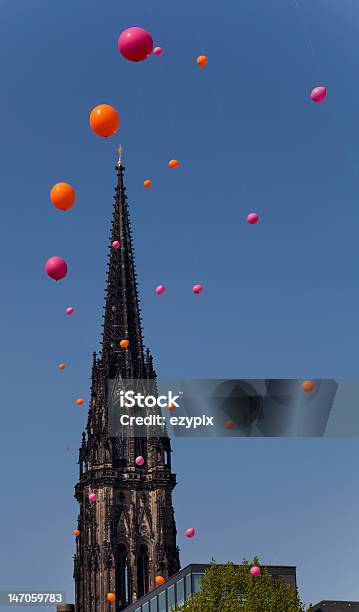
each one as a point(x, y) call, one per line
point(189, 533)
point(56, 268)
point(69, 310)
point(255, 571)
point(135, 44)
point(139, 460)
point(160, 289)
point(157, 51)
point(92, 498)
point(116, 245)
point(253, 218)
point(197, 289)
point(318, 94)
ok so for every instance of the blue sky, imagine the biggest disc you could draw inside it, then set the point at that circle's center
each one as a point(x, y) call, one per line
point(280, 299)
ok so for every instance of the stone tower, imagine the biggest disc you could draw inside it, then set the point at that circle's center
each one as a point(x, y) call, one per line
point(128, 536)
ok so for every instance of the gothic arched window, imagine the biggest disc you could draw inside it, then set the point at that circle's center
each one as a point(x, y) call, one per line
point(107, 453)
point(95, 454)
point(159, 454)
point(122, 576)
point(141, 448)
point(142, 571)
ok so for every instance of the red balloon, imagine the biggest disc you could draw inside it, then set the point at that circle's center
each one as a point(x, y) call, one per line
point(197, 289)
point(253, 218)
point(56, 268)
point(135, 44)
point(318, 94)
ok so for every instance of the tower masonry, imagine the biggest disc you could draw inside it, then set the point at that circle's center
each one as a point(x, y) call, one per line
point(128, 535)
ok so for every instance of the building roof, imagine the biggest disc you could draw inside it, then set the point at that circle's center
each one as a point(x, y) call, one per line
point(288, 572)
point(327, 605)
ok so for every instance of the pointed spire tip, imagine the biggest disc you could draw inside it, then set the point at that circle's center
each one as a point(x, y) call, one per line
point(119, 151)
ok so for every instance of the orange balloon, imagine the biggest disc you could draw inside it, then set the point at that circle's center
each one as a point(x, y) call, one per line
point(202, 60)
point(61, 366)
point(104, 120)
point(173, 164)
point(230, 424)
point(80, 401)
point(76, 532)
point(147, 183)
point(308, 386)
point(63, 196)
point(111, 597)
point(124, 344)
point(159, 580)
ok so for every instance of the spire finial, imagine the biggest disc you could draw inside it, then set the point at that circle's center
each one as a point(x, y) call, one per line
point(119, 150)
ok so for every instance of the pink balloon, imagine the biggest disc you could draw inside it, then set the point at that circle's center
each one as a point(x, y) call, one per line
point(157, 51)
point(197, 289)
point(69, 310)
point(189, 533)
point(135, 44)
point(139, 460)
point(56, 268)
point(255, 571)
point(92, 498)
point(318, 94)
point(116, 245)
point(160, 289)
point(253, 218)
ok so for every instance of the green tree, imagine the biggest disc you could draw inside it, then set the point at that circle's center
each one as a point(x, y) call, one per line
point(231, 588)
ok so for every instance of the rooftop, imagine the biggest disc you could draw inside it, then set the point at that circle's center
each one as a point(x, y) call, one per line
point(327, 605)
point(187, 582)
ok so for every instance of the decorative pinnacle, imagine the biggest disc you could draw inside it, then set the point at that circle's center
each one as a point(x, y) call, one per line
point(119, 150)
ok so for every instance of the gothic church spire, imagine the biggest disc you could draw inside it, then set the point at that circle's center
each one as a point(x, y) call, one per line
point(128, 536)
point(122, 319)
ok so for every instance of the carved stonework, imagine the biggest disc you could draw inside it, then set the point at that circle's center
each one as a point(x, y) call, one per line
point(128, 535)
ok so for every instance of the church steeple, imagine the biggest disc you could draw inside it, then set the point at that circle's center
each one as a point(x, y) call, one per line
point(128, 536)
point(122, 319)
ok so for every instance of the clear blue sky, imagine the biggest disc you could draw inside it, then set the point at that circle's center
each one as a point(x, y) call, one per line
point(280, 299)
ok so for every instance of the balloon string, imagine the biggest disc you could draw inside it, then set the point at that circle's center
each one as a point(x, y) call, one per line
point(166, 103)
point(339, 127)
point(213, 90)
point(151, 13)
point(307, 33)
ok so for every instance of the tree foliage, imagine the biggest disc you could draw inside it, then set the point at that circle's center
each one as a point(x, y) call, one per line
point(231, 588)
